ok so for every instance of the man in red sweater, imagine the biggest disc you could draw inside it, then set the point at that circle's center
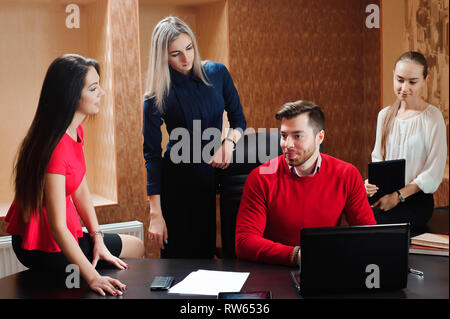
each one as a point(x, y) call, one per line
point(301, 188)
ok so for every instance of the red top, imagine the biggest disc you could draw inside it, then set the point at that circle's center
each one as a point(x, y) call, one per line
point(276, 203)
point(67, 160)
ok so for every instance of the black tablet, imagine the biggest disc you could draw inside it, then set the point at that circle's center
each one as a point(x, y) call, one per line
point(388, 176)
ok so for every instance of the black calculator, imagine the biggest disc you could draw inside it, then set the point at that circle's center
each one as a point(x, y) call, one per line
point(161, 283)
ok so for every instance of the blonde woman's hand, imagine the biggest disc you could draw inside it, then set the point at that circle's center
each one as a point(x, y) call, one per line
point(370, 188)
point(222, 158)
point(157, 230)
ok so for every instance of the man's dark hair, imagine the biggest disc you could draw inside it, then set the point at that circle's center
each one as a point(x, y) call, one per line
point(293, 109)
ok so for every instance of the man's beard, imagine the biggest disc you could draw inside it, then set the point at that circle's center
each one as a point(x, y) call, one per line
point(301, 158)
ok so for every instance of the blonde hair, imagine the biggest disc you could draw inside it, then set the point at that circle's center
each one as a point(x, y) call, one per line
point(411, 56)
point(166, 31)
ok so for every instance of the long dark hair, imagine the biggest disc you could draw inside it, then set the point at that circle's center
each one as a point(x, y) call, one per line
point(410, 56)
point(59, 99)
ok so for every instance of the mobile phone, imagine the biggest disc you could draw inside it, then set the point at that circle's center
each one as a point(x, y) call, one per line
point(161, 283)
point(267, 294)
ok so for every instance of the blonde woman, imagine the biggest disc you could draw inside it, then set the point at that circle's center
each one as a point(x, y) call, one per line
point(414, 130)
point(190, 97)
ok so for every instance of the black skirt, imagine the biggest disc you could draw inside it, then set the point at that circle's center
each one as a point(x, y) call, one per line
point(56, 261)
point(416, 210)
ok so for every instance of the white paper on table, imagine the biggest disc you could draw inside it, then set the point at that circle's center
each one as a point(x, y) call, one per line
point(210, 282)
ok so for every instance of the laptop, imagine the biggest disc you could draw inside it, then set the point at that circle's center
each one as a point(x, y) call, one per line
point(353, 259)
point(389, 176)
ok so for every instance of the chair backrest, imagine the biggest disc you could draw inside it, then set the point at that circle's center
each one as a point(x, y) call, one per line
point(252, 150)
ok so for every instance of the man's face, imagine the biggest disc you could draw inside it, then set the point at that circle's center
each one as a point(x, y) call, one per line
point(298, 141)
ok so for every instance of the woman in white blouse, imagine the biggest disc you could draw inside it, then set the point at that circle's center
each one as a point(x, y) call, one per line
point(414, 130)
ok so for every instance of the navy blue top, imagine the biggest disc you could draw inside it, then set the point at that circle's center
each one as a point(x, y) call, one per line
point(189, 99)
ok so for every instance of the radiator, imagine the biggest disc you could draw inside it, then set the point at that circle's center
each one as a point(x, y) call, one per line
point(10, 265)
point(8, 262)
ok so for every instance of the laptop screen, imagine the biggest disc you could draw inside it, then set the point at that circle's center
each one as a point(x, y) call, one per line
point(354, 258)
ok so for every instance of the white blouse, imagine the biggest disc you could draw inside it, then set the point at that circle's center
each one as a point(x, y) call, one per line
point(422, 141)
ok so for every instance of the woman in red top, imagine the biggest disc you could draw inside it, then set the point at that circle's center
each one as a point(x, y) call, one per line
point(51, 191)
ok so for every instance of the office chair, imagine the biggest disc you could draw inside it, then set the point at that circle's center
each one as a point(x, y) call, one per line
point(252, 150)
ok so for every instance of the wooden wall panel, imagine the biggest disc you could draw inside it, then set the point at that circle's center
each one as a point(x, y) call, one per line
point(289, 50)
point(127, 94)
point(212, 31)
point(99, 146)
point(372, 91)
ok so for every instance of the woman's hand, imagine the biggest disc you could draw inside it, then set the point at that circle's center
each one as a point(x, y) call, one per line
point(102, 284)
point(222, 158)
point(370, 188)
point(387, 202)
point(101, 252)
point(157, 230)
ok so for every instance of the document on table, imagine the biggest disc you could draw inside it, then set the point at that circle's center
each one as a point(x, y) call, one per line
point(210, 282)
